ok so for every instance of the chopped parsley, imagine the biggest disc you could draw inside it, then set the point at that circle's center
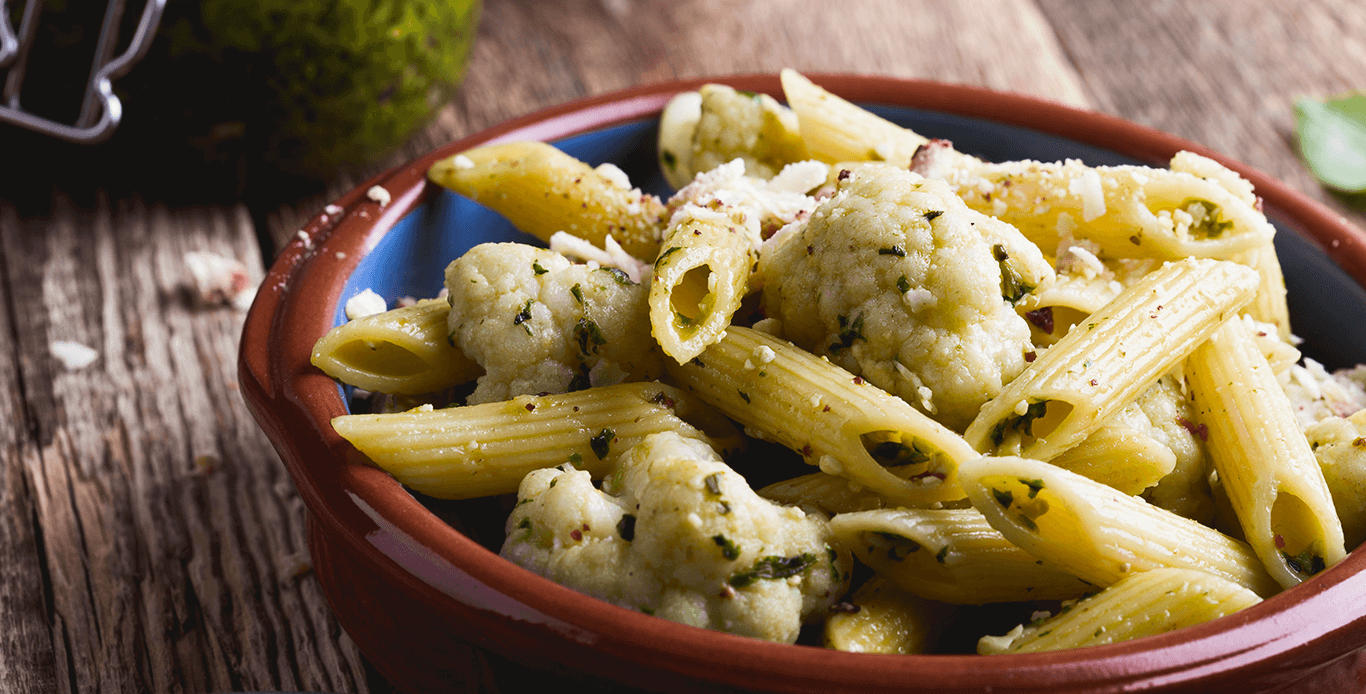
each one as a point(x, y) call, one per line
point(588, 336)
point(850, 331)
point(577, 291)
point(1013, 285)
point(897, 251)
point(524, 315)
point(898, 454)
point(667, 158)
point(1022, 423)
point(576, 459)
point(619, 276)
point(667, 252)
point(932, 215)
point(602, 442)
point(773, 567)
point(743, 396)
point(1035, 486)
point(537, 269)
point(942, 554)
point(728, 548)
point(903, 284)
point(582, 379)
point(1206, 225)
point(1003, 497)
point(1306, 563)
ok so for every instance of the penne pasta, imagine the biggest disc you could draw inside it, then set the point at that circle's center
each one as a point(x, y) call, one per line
point(699, 279)
point(1071, 389)
point(542, 190)
point(831, 494)
point(404, 351)
point(1265, 464)
point(482, 450)
point(1096, 533)
point(834, 419)
point(1127, 211)
point(951, 555)
point(1143, 604)
point(836, 130)
point(882, 618)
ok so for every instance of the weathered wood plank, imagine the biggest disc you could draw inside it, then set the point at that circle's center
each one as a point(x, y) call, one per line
point(27, 659)
point(530, 55)
point(1225, 75)
point(172, 537)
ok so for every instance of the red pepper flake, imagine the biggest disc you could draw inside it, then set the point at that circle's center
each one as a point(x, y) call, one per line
point(726, 592)
point(1201, 430)
point(1042, 319)
point(858, 380)
point(826, 409)
point(1093, 382)
point(845, 607)
point(1360, 442)
point(1280, 542)
point(1030, 356)
point(585, 527)
point(530, 407)
point(806, 451)
point(810, 250)
point(576, 534)
point(844, 174)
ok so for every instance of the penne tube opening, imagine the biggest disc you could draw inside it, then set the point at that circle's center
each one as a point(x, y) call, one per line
point(1028, 423)
point(1297, 533)
point(909, 457)
point(691, 299)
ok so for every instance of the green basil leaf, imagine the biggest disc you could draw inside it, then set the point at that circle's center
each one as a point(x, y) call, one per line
point(1332, 137)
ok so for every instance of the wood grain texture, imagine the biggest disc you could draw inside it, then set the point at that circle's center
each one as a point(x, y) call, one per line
point(172, 542)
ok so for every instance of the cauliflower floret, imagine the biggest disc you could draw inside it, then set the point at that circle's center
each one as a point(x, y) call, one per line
point(895, 279)
point(1340, 446)
point(759, 207)
point(716, 124)
point(679, 535)
point(1318, 394)
point(538, 323)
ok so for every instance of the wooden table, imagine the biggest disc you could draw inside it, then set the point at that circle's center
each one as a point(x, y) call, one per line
point(151, 540)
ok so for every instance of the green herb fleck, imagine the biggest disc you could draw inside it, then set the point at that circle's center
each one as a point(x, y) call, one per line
point(1013, 285)
point(601, 442)
point(577, 291)
point(668, 159)
point(1022, 423)
point(524, 315)
point(647, 610)
point(932, 215)
point(942, 554)
point(903, 284)
point(576, 459)
point(1207, 224)
point(667, 252)
point(773, 567)
point(897, 251)
point(588, 336)
point(728, 548)
point(1003, 497)
point(898, 454)
point(537, 269)
point(1035, 486)
point(743, 396)
point(619, 276)
point(850, 331)
point(1306, 563)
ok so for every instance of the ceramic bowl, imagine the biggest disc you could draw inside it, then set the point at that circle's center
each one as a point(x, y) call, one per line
point(412, 584)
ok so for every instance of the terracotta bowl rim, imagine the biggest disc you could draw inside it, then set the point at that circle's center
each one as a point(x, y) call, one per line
point(351, 500)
